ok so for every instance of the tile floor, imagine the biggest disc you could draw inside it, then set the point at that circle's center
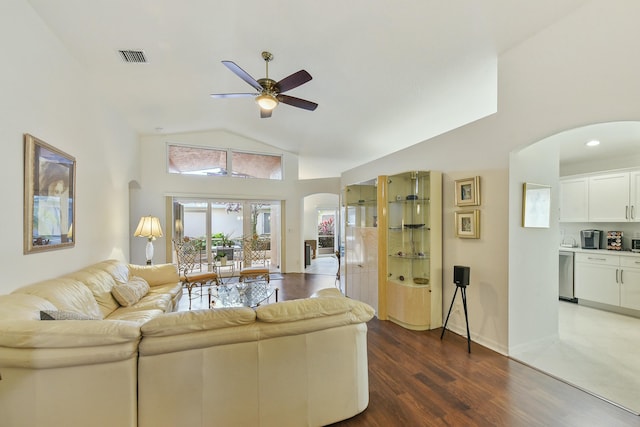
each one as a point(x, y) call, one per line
point(597, 351)
point(323, 264)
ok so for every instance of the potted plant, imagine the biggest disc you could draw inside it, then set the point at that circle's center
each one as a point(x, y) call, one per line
point(223, 243)
point(221, 257)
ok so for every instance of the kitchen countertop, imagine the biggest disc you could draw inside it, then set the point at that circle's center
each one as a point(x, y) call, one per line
point(600, 251)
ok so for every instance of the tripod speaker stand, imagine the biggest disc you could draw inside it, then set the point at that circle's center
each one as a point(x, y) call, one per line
point(461, 280)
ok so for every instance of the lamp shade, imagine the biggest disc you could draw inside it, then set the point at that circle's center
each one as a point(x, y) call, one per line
point(149, 226)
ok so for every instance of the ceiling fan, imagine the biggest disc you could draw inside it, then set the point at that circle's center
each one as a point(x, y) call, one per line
point(270, 92)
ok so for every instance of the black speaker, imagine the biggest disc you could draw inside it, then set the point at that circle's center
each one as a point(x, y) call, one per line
point(461, 275)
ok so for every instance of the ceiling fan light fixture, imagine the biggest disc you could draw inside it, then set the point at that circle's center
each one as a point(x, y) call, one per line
point(267, 101)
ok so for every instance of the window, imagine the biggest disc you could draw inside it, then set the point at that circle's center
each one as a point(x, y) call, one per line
point(250, 165)
point(197, 160)
point(218, 162)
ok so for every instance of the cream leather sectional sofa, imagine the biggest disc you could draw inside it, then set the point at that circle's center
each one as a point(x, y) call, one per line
point(298, 363)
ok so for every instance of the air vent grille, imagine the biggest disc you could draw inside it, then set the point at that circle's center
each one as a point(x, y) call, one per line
point(133, 56)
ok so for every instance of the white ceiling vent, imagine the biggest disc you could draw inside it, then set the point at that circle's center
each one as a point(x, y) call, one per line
point(133, 56)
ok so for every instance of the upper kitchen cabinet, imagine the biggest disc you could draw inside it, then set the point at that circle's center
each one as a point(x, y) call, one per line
point(634, 196)
point(602, 197)
point(613, 197)
point(574, 200)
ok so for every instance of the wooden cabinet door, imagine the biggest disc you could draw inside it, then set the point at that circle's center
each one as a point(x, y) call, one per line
point(634, 197)
point(630, 282)
point(609, 197)
point(574, 200)
point(630, 288)
point(598, 283)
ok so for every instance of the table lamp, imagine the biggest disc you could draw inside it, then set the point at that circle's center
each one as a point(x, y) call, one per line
point(149, 227)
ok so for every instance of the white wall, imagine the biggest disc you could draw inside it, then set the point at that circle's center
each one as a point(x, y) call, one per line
point(487, 294)
point(46, 93)
point(533, 252)
point(580, 71)
point(156, 184)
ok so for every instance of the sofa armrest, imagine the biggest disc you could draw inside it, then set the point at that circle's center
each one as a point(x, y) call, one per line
point(35, 344)
point(329, 304)
point(155, 274)
point(185, 322)
point(190, 330)
point(67, 333)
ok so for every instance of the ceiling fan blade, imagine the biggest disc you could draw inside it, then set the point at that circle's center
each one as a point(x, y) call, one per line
point(297, 102)
point(234, 95)
point(242, 74)
point(265, 114)
point(293, 81)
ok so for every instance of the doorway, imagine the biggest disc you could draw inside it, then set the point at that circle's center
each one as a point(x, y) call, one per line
point(590, 347)
point(321, 233)
point(219, 225)
point(326, 231)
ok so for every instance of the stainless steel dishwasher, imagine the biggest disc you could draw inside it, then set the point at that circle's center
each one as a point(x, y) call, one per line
point(565, 269)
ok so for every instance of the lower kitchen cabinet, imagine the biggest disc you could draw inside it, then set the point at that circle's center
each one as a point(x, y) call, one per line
point(630, 282)
point(597, 278)
point(608, 279)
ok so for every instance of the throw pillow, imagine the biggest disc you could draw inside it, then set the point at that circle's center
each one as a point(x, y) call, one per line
point(63, 315)
point(131, 292)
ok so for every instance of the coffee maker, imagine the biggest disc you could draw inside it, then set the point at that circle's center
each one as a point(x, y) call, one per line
point(591, 239)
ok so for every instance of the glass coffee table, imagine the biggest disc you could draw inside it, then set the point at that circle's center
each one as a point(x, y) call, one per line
point(247, 294)
point(224, 271)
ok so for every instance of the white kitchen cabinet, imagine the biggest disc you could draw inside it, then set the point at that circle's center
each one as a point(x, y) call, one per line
point(574, 200)
point(634, 196)
point(609, 197)
point(608, 279)
point(630, 282)
point(601, 197)
point(597, 278)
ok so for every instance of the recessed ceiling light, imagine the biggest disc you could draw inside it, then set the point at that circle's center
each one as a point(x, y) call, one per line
point(593, 143)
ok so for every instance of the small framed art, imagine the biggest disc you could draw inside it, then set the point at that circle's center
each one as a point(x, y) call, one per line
point(467, 191)
point(468, 224)
point(536, 205)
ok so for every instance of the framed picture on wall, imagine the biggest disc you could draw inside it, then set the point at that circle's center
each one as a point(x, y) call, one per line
point(49, 197)
point(467, 191)
point(536, 205)
point(468, 224)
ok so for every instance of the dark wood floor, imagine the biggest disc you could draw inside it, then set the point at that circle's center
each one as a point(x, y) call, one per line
point(415, 379)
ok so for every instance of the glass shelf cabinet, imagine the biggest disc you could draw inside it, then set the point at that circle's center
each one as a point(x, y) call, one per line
point(361, 243)
point(411, 214)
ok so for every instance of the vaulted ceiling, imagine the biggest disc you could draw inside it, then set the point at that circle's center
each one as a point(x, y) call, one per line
point(386, 75)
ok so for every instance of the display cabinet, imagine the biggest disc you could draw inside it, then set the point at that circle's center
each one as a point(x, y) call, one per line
point(361, 243)
point(411, 214)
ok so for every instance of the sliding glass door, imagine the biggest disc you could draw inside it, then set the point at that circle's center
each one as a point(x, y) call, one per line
point(220, 225)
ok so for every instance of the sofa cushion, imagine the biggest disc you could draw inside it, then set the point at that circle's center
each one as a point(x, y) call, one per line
point(155, 274)
point(65, 293)
point(117, 269)
point(100, 284)
point(131, 292)
point(132, 314)
point(63, 315)
point(23, 307)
